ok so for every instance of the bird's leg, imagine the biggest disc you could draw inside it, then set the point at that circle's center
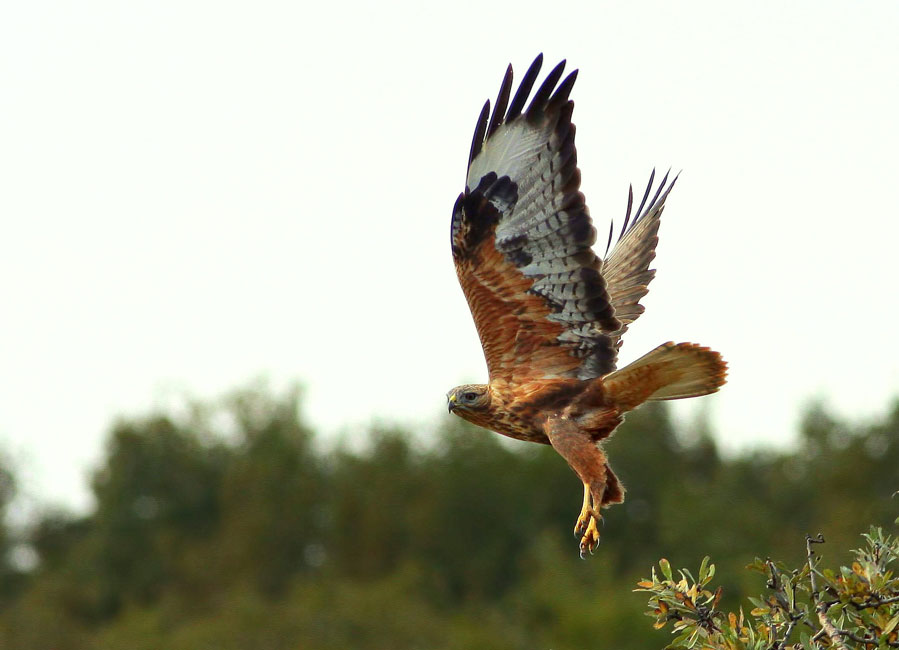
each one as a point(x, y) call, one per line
point(589, 463)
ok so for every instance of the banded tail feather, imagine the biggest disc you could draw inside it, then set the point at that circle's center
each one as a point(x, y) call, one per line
point(670, 371)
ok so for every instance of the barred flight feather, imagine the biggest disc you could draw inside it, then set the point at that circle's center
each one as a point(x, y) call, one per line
point(626, 268)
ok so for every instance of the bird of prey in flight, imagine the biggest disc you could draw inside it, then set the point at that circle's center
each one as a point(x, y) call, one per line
point(549, 311)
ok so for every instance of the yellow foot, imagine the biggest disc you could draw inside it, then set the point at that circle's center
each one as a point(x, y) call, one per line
point(590, 540)
point(586, 525)
point(587, 518)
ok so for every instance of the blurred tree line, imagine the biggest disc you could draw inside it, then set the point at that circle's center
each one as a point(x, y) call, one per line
point(235, 528)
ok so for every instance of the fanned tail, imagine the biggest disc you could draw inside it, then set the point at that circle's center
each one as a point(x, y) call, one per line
point(670, 371)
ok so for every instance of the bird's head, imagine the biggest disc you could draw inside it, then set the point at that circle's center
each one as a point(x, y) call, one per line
point(469, 401)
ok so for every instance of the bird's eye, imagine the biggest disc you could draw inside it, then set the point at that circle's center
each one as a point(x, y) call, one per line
point(469, 397)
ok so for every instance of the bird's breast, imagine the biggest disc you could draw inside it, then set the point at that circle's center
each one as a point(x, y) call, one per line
point(520, 411)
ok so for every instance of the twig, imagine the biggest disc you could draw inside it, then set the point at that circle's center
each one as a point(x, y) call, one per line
point(816, 636)
point(821, 608)
point(870, 640)
point(829, 628)
point(854, 637)
point(794, 618)
point(809, 540)
point(873, 601)
point(773, 582)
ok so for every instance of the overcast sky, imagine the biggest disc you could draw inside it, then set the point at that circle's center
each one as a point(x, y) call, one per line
point(196, 194)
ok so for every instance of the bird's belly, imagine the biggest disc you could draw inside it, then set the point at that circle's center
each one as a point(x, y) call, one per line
point(528, 434)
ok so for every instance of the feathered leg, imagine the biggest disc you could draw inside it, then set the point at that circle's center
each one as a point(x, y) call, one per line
point(589, 462)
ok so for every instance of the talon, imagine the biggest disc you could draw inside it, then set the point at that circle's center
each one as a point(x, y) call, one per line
point(591, 539)
point(583, 523)
point(584, 548)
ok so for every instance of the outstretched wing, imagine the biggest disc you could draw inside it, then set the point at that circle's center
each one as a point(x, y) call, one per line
point(522, 236)
point(626, 267)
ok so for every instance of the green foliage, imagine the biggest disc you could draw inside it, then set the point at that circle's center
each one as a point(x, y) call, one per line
point(854, 607)
point(234, 527)
point(11, 578)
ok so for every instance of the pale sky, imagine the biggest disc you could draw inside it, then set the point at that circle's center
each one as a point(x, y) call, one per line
point(196, 194)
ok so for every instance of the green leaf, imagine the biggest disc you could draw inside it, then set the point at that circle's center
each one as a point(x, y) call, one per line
point(805, 639)
point(703, 569)
point(666, 569)
point(679, 641)
point(757, 602)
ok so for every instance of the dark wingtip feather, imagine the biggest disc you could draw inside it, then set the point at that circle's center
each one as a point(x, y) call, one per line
point(670, 186)
point(673, 181)
point(652, 177)
point(609, 243)
point(661, 194)
point(502, 101)
point(627, 215)
point(479, 130)
point(658, 191)
point(527, 82)
point(541, 97)
point(548, 96)
point(631, 218)
point(563, 91)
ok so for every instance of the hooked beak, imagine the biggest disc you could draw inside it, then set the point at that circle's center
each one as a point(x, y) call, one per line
point(451, 402)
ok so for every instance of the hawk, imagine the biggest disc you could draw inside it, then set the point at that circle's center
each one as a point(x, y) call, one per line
point(550, 313)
